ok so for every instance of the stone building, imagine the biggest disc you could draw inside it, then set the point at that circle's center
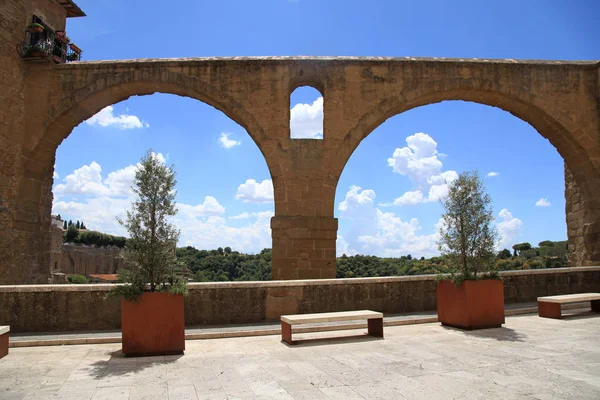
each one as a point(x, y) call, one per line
point(45, 97)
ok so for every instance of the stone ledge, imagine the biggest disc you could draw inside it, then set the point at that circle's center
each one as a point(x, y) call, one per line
point(320, 59)
point(279, 284)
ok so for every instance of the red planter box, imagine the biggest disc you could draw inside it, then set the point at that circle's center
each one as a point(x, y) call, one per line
point(472, 305)
point(154, 325)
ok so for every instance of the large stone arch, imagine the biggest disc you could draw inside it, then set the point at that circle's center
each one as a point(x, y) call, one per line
point(76, 106)
point(578, 147)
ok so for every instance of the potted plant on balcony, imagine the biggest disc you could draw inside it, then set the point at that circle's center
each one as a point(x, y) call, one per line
point(62, 37)
point(472, 295)
point(35, 27)
point(152, 313)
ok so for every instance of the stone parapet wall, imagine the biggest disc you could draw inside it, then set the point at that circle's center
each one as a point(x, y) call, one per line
point(86, 260)
point(48, 308)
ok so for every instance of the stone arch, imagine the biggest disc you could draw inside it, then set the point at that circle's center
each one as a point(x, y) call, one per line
point(571, 140)
point(73, 107)
point(574, 142)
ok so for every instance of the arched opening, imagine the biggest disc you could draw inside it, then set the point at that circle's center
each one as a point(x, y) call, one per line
point(306, 113)
point(387, 199)
point(225, 192)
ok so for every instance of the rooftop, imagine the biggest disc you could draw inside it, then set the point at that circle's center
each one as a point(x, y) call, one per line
point(73, 9)
point(529, 358)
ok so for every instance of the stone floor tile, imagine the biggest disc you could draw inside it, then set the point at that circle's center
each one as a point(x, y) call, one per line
point(112, 393)
point(341, 393)
point(377, 391)
point(149, 391)
point(310, 394)
point(179, 392)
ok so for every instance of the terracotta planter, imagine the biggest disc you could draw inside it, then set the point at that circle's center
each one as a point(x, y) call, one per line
point(154, 325)
point(472, 305)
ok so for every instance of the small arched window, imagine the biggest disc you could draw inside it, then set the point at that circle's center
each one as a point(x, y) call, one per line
point(306, 113)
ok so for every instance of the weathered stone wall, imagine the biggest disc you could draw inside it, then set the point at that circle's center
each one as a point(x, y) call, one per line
point(583, 224)
point(47, 308)
point(86, 260)
point(22, 244)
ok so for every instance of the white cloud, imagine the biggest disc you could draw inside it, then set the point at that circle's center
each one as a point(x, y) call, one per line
point(209, 207)
point(543, 202)
point(228, 143)
point(376, 232)
point(203, 225)
point(254, 192)
point(420, 162)
point(385, 234)
point(356, 197)
point(106, 117)
point(306, 120)
point(492, 174)
point(247, 215)
point(509, 228)
point(55, 175)
point(86, 180)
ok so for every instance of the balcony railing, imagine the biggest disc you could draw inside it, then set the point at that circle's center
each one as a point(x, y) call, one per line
point(52, 50)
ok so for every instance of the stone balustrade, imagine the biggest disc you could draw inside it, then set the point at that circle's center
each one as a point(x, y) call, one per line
point(50, 308)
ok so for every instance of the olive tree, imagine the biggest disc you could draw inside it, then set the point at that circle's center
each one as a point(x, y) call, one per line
point(467, 237)
point(152, 241)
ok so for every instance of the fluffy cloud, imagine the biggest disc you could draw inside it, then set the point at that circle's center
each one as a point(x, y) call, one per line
point(100, 201)
point(55, 175)
point(86, 180)
point(543, 202)
point(254, 192)
point(492, 174)
point(509, 228)
point(306, 120)
point(385, 234)
point(228, 143)
point(375, 232)
point(209, 207)
point(420, 162)
point(260, 215)
point(106, 117)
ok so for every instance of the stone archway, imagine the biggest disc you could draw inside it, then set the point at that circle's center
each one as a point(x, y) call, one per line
point(33, 213)
point(574, 143)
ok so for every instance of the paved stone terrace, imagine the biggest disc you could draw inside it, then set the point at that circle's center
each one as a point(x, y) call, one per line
point(529, 358)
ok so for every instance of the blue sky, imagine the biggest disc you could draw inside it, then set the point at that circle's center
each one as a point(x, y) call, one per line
point(386, 195)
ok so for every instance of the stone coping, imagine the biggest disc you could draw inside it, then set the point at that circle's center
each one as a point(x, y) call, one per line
point(570, 298)
point(4, 329)
point(105, 287)
point(329, 59)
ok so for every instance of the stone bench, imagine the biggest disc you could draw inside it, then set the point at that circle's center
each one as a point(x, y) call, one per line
point(4, 340)
point(374, 321)
point(549, 306)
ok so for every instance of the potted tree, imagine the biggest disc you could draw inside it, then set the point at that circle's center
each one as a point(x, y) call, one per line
point(472, 295)
point(152, 313)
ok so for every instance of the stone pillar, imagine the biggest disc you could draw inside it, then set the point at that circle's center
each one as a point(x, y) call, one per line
point(303, 247)
point(583, 224)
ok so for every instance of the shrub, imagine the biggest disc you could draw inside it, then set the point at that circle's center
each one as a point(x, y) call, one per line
point(78, 279)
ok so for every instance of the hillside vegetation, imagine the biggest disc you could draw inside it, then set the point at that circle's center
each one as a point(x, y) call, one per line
point(223, 264)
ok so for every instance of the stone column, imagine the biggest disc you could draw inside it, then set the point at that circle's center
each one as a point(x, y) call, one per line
point(583, 224)
point(304, 247)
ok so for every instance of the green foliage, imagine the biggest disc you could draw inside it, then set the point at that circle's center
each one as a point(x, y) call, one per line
point(213, 266)
point(151, 248)
point(71, 234)
point(78, 279)
point(504, 254)
point(468, 238)
point(65, 225)
point(100, 239)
